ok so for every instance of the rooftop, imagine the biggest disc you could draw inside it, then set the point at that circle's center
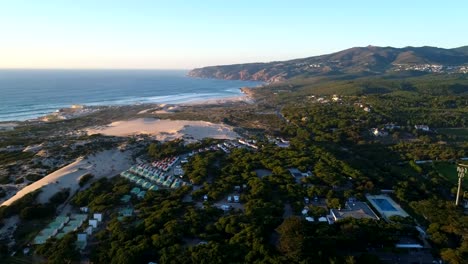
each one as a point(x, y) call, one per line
point(354, 209)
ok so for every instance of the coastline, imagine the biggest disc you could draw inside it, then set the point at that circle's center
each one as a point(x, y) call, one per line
point(35, 98)
point(78, 110)
point(220, 101)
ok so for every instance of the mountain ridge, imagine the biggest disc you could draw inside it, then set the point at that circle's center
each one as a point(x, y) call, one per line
point(369, 60)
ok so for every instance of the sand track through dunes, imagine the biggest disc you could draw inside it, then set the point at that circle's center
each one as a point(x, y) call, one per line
point(103, 164)
point(166, 129)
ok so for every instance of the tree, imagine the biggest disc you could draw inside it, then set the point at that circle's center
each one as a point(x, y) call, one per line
point(292, 237)
point(59, 252)
point(452, 256)
point(333, 203)
point(350, 260)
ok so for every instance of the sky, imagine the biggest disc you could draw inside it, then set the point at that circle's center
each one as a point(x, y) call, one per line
point(176, 34)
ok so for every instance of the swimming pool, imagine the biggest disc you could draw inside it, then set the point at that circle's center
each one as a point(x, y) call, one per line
point(384, 205)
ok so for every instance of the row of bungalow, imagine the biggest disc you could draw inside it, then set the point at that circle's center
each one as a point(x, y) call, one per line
point(149, 178)
point(248, 143)
point(60, 227)
point(165, 164)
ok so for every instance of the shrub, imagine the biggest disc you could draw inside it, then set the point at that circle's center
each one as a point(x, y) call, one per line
point(85, 179)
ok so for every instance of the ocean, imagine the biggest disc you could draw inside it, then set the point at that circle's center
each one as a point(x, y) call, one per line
point(27, 94)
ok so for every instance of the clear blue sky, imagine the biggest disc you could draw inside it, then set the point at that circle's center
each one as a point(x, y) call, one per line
point(186, 34)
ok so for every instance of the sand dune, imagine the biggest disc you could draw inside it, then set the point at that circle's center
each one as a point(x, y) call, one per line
point(103, 164)
point(166, 129)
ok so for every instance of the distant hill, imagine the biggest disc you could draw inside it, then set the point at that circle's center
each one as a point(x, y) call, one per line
point(361, 61)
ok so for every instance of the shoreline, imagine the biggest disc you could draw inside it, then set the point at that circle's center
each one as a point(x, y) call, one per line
point(241, 97)
point(219, 101)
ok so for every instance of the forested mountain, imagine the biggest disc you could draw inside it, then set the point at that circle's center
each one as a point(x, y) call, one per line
point(361, 61)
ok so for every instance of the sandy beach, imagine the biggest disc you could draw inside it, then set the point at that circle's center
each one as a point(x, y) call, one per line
point(171, 108)
point(225, 100)
point(103, 164)
point(8, 126)
point(166, 129)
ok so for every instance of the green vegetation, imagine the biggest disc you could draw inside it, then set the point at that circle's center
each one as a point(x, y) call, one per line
point(61, 251)
point(330, 138)
point(19, 205)
point(357, 61)
point(33, 177)
point(158, 150)
point(102, 195)
point(85, 179)
point(457, 134)
point(14, 156)
point(449, 172)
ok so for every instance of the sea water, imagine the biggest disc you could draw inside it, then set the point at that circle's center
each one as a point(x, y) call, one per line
point(27, 94)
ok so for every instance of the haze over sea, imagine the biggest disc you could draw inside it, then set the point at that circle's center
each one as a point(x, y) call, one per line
point(27, 94)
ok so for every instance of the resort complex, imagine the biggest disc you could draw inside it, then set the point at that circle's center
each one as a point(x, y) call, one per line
point(155, 175)
point(61, 226)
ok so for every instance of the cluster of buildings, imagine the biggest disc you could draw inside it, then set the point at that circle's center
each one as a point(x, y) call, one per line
point(127, 210)
point(167, 173)
point(165, 164)
point(383, 204)
point(366, 108)
point(323, 100)
point(281, 142)
point(381, 132)
point(68, 113)
point(315, 99)
point(226, 146)
point(140, 194)
point(138, 180)
point(354, 209)
point(149, 177)
point(433, 68)
point(377, 132)
point(422, 128)
point(248, 143)
point(61, 226)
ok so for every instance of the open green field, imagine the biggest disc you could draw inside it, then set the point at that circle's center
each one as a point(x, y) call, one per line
point(449, 171)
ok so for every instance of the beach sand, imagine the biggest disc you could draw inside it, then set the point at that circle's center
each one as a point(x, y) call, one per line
point(8, 126)
point(171, 108)
point(166, 129)
point(103, 164)
point(220, 101)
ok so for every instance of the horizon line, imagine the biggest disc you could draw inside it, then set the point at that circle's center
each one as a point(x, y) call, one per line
point(230, 63)
point(104, 69)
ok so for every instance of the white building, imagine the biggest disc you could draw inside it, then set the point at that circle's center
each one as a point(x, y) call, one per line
point(422, 127)
point(379, 132)
point(89, 230)
point(98, 217)
point(93, 223)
